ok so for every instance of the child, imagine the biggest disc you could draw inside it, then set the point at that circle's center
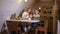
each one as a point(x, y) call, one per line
point(36, 16)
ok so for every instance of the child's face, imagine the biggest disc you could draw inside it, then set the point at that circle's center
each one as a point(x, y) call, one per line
point(36, 11)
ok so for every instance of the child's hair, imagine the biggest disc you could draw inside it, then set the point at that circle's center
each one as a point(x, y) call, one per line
point(36, 9)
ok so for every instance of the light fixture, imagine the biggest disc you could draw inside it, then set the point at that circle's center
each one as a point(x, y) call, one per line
point(25, 0)
point(39, 8)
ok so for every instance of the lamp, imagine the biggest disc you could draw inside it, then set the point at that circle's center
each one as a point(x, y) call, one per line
point(39, 8)
point(25, 0)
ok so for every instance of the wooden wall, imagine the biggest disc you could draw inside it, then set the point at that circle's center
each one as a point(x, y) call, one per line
point(52, 27)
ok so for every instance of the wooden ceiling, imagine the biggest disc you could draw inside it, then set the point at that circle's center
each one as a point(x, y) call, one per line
point(58, 3)
point(38, 3)
point(44, 0)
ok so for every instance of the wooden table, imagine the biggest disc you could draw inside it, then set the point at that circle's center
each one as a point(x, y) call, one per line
point(13, 24)
point(32, 21)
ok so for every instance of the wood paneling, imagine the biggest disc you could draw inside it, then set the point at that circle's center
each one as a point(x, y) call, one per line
point(45, 7)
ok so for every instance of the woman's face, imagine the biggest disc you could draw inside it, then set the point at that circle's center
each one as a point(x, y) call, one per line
point(29, 10)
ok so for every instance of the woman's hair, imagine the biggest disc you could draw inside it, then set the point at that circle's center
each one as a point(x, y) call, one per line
point(30, 13)
point(21, 12)
point(28, 8)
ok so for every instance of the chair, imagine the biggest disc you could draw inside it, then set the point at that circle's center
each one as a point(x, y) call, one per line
point(12, 27)
point(42, 28)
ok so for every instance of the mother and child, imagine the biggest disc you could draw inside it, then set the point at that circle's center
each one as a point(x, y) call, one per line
point(28, 14)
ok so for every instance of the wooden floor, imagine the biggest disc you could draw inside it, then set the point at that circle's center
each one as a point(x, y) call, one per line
point(6, 32)
point(3, 32)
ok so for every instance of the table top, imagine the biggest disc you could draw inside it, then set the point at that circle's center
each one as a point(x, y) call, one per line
point(25, 20)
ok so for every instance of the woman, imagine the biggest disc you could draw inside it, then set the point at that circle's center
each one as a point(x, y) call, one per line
point(25, 14)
